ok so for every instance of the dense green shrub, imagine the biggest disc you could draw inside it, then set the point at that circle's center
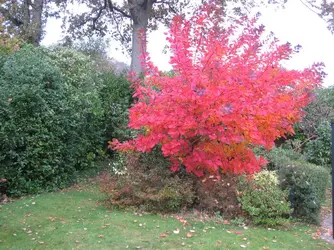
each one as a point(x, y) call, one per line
point(318, 151)
point(263, 200)
point(320, 110)
point(148, 184)
point(308, 184)
point(279, 156)
point(116, 96)
point(49, 116)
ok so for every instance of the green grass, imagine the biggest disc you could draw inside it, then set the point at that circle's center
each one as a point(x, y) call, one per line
point(75, 219)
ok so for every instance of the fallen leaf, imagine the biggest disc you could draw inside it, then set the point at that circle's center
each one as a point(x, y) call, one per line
point(189, 235)
point(163, 235)
point(51, 218)
point(101, 236)
point(41, 242)
point(240, 233)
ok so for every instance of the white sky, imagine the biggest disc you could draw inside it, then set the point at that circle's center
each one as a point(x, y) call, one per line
point(295, 24)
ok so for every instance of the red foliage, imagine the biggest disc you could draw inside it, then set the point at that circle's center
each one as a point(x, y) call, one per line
point(229, 94)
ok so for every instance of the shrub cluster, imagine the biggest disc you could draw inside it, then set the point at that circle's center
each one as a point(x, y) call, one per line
point(145, 180)
point(52, 117)
point(308, 184)
point(263, 200)
point(148, 184)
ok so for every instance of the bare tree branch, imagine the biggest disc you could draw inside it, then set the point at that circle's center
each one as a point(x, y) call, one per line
point(312, 8)
point(95, 19)
point(168, 3)
point(115, 8)
point(307, 6)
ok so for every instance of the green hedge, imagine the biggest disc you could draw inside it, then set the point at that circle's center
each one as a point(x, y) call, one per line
point(50, 119)
point(308, 183)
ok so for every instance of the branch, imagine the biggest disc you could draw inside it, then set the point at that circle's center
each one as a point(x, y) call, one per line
point(95, 19)
point(7, 15)
point(115, 8)
point(169, 5)
point(318, 14)
point(304, 142)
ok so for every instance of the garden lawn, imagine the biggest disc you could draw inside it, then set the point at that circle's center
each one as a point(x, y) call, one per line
point(75, 219)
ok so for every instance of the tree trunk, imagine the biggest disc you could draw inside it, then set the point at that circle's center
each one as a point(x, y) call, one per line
point(140, 12)
point(26, 16)
point(36, 22)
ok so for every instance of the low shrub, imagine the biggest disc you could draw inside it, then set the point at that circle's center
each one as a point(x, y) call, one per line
point(263, 200)
point(218, 196)
point(148, 184)
point(308, 183)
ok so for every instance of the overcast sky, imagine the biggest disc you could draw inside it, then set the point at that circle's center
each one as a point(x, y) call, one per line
point(295, 24)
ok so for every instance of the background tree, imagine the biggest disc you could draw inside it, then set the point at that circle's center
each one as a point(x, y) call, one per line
point(27, 18)
point(129, 21)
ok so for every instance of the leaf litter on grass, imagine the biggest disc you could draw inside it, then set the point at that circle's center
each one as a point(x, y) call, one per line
point(119, 228)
